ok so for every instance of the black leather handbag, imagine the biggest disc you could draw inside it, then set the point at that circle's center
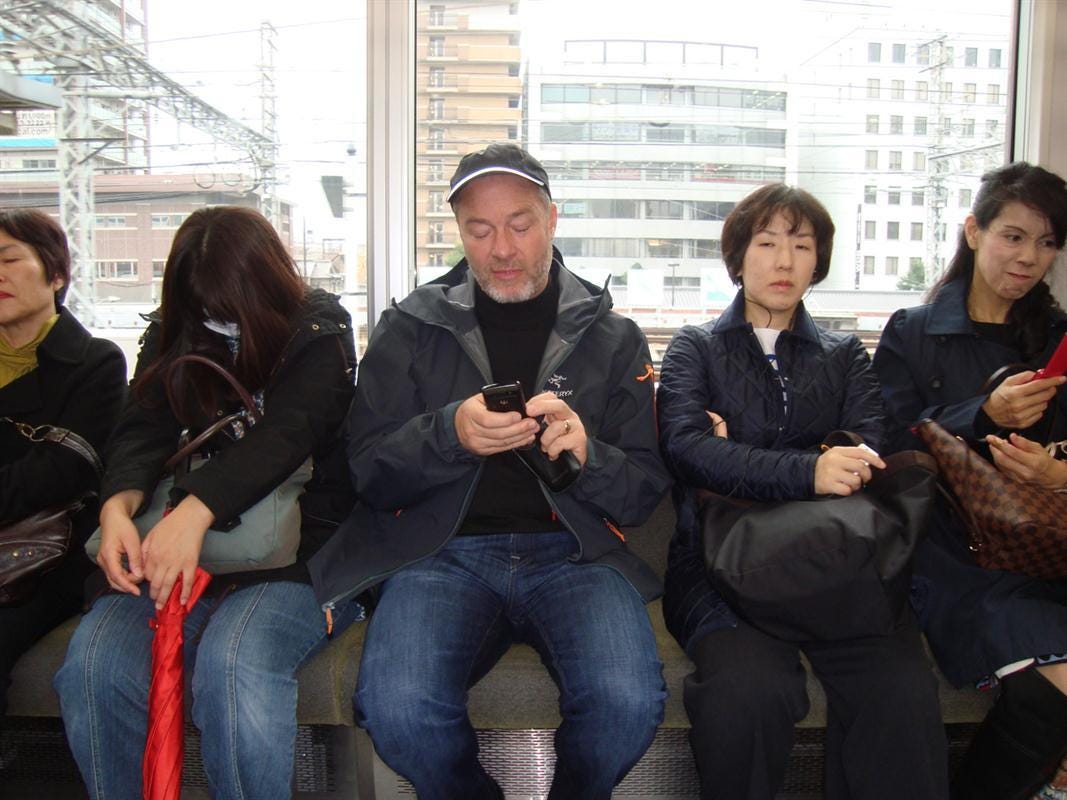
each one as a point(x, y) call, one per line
point(824, 569)
point(32, 546)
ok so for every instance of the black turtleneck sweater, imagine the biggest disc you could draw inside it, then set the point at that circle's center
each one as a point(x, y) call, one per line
point(508, 498)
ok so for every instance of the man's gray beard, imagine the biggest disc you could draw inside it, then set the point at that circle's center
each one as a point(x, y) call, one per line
point(529, 292)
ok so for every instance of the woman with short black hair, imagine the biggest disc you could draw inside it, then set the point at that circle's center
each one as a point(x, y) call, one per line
point(744, 403)
point(52, 373)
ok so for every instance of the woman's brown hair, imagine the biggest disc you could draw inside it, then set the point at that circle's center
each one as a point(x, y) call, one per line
point(226, 265)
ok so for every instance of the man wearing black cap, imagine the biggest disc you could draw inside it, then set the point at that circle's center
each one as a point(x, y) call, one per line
point(465, 548)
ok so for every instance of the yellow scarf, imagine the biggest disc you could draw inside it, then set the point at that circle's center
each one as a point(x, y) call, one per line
point(17, 361)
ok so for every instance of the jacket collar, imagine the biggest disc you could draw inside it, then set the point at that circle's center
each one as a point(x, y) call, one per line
point(733, 317)
point(67, 341)
point(948, 311)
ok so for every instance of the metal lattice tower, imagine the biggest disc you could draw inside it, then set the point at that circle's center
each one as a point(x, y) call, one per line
point(86, 59)
point(268, 97)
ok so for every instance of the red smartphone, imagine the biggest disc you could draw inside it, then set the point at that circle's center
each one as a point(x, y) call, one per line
point(1057, 365)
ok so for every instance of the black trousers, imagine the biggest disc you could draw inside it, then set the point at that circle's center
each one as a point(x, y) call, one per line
point(884, 735)
point(58, 597)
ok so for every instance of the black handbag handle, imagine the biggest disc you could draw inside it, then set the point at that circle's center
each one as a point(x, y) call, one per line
point(61, 436)
point(202, 438)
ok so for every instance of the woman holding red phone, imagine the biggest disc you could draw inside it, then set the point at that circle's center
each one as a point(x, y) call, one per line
point(991, 308)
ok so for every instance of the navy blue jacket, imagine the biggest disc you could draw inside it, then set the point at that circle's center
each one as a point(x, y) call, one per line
point(770, 453)
point(931, 363)
point(415, 480)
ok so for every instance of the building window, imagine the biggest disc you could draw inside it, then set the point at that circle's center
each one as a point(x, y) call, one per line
point(435, 204)
point(965, 198)
point(435, 170)
point(872, 123)
point(168, 220)
point(916, 231)
point(893, 197)
point(946, 92)
point(869, 229)
point(919, 162)
point(946, 126)
point(437, 108)
point(437, 15)
point(920, 126)
point(435, 139)
point(158, 265)
point(898, 53)
point(513, 101)
point(437, 233)
point(994, 58)
point(874, 53)
point(870, 194)
point(967, 127)
point(918, 198)
point(874, 88)
point(970, 57)
point(896, 160)
point(896, 124)
point(969, 92)
point(437, 77)
point(436, 259)
point(915, 264)
point(993, 94)
point(663, 209)
point(891, 265)
point(868, 265)
point(922, 55)
point(871, 159)
point(992, 128)
point(892, 230)
point(116, 270)
point(110, 221)
point(922, 91)
point(896, 91)
point(513, 132)
point(513, 70)
point(437, 46)
point(950, 56)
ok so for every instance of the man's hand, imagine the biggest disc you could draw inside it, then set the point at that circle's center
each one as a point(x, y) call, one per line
point(485, 433)
point(1019, 402)
point(1027, 461)
point(564, 430)
point(844, 470)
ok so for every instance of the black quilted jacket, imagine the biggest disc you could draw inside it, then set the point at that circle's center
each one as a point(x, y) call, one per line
point(771, 451)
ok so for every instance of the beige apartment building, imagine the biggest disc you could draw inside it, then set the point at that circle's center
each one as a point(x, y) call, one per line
point(470, 93)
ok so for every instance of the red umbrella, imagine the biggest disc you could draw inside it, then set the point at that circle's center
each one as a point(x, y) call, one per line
point(163, 752)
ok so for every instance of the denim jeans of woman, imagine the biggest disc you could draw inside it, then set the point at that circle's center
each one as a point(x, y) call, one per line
point(443, 622)
point(242, 655)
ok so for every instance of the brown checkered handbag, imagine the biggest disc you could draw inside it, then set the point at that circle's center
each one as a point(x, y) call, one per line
point(1012, 526)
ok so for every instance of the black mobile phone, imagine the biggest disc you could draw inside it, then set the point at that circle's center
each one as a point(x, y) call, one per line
point(556, 475)
point(505, 397)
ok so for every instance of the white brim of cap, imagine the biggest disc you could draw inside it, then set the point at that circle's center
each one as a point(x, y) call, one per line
point(486, 171)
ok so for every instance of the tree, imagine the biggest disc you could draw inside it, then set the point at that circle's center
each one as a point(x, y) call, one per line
point(455, 255)
point(915, 280)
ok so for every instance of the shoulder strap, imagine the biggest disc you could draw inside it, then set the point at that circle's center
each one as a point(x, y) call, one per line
point(61, 436)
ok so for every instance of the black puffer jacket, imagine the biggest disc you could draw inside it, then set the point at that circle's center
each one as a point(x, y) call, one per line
point(769, 455)
point(305, 403)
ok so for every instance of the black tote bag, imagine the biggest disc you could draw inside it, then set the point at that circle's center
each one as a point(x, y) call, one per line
point(824, 569)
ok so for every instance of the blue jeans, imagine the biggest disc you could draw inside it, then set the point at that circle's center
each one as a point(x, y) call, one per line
point(442, 623)
point(242, 655)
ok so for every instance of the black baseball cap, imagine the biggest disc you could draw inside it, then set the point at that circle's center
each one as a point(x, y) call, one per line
point(498, 158)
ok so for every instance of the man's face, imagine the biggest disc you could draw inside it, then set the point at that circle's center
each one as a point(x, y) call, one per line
point(507, 225)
